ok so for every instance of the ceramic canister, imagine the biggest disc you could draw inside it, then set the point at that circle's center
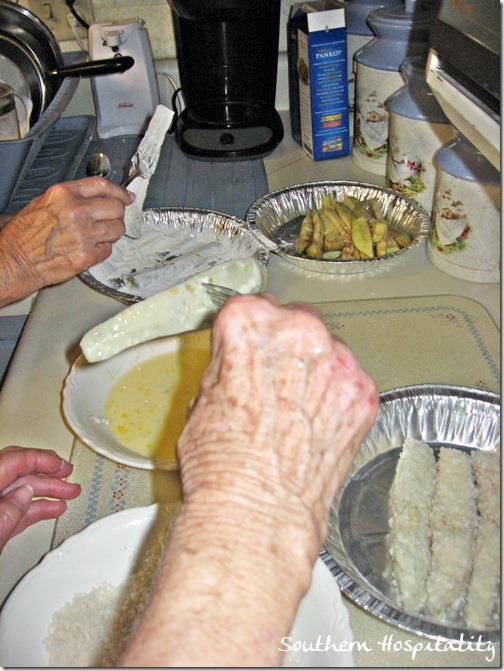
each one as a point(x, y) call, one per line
point(418, 127)
point(400, 32)
point(465, 235)
point(359, 34)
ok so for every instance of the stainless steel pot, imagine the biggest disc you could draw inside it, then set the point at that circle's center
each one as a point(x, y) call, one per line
point(28, 42)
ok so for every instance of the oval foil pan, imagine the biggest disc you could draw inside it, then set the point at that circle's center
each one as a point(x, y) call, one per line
point(175, 244)
point(356, 550)
point(275, 220)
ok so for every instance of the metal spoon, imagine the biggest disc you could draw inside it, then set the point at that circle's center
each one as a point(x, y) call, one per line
point(98, 164)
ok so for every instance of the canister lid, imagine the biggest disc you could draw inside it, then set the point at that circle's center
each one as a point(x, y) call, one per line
point(461, 159)
point(415, 99)
point(399, 34)
point(357, 12)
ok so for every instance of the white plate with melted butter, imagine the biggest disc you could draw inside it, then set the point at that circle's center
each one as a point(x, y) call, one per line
point(132, 407)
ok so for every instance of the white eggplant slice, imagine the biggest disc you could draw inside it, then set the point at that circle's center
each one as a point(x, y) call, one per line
point(184, 307)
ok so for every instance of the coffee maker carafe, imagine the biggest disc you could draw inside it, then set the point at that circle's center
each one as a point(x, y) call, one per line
point(227, 52)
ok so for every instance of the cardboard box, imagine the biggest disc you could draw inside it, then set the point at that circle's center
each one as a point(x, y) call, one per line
point(318, 81)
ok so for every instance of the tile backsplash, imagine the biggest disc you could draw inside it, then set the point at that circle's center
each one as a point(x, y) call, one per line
point(158, 20)
point(155, 13)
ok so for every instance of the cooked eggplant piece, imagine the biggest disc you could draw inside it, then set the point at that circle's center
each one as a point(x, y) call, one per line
point(316, 247)
point(361, 235)
point(339, 224)
point(305, 232)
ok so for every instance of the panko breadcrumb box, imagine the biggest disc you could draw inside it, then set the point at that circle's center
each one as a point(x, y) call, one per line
point(318, 82)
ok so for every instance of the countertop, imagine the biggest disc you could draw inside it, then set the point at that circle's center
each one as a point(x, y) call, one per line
point(30, 412)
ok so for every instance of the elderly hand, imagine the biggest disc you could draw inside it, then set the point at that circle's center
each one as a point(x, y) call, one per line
point(282, 409)
point(26, 473)
point(59, 234)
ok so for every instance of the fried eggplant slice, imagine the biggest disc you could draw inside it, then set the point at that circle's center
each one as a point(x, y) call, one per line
point(361, 235)
point(305, 233)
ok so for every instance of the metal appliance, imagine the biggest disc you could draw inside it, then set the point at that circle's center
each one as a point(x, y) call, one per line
point(124, 102)
point(464, 73)
point(32, 63)
point(227, 52)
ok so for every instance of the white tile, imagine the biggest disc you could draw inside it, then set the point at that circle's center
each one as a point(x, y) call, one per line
point(158, 21)
point(155, 13)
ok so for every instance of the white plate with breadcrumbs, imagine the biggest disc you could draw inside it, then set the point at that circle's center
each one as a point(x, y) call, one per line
point(357, 549)
point(104, 570)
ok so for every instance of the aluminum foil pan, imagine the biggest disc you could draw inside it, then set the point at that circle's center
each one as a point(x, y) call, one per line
point(356, 550)
point(275, 219)
point(175, 244)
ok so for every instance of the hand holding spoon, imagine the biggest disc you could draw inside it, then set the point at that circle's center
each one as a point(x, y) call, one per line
point(99, 164)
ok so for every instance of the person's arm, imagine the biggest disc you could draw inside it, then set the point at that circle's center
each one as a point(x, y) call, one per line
point(59, 234)
point(227, 593)
point(282, 409)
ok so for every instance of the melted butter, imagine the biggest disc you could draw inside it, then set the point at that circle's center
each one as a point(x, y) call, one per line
point(147, 406)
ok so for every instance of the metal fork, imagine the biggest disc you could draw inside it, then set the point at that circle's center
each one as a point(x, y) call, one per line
point(218, 294)
point(134, 171)
point(143, 162)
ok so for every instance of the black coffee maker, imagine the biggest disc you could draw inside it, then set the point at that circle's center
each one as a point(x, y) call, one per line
point(227, 53)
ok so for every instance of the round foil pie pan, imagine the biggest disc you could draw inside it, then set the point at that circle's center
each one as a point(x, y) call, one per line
point(175, 244)
point(356, 550)
point(275, 220)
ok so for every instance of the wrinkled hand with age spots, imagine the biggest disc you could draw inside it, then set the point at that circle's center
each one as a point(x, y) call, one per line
point(283, 408)
point(27, 476)
point(66, 230)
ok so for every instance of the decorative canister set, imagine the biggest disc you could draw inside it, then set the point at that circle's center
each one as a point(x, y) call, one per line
point(401, 133)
